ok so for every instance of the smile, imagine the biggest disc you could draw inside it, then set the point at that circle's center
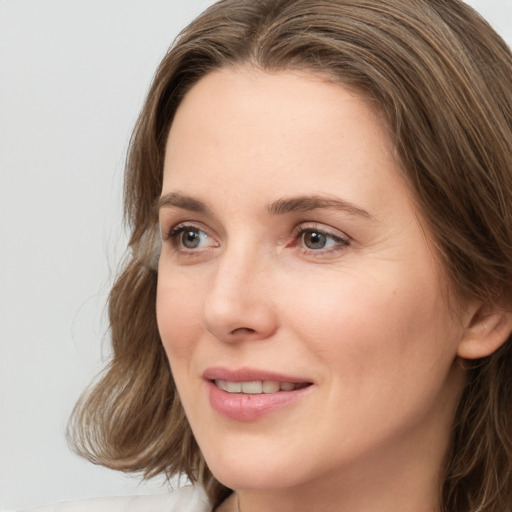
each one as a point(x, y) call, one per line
point(258, 387)
point(249, 394)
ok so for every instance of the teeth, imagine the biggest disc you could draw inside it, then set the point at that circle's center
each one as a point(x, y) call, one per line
point(252, 388)
point(270, 386)
point(257, 387)
point(233, 387)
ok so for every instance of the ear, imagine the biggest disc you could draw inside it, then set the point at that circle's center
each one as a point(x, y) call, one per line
point(488, 328)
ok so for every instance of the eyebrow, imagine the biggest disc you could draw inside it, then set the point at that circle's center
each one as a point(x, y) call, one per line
point(307, 203)
point(278, 207)
point(177, 200)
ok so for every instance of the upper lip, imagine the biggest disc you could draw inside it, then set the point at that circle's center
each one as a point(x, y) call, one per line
point(249, 375)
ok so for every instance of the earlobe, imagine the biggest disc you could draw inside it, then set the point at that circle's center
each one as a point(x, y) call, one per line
point(488, 329)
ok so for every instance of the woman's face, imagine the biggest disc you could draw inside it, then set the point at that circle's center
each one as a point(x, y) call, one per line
point(298, 301)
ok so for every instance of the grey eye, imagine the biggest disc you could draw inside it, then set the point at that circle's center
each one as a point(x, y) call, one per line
point(190, 238)
point(314, 240)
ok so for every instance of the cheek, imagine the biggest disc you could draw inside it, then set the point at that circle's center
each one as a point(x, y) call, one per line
point(371, 321)
point(385, 348)
point(178, 311)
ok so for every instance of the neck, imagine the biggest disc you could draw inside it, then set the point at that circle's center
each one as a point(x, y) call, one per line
point(375, 497)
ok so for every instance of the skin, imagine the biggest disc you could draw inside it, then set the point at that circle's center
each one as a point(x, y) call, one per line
point(364, 319)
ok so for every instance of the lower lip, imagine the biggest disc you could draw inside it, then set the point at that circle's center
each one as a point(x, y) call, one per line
point(245, 407)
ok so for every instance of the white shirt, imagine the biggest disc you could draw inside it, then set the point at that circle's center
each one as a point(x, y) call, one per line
point(184, 499)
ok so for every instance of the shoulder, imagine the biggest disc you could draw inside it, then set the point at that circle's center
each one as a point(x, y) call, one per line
point(184, 499)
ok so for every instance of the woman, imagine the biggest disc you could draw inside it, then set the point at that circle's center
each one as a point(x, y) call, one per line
point(316, 312)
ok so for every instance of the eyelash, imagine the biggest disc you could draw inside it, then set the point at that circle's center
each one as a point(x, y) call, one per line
point(175, 236)
point(340, 242)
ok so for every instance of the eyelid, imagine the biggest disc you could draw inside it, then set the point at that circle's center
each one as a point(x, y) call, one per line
point(168, 232)
point(321, 228)
point(342, 239)
point(173, 238)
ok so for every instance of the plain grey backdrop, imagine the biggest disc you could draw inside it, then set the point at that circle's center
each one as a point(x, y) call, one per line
point(73, 76)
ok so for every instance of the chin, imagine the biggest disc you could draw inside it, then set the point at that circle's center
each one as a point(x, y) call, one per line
point(243, 470)
point(254, 479)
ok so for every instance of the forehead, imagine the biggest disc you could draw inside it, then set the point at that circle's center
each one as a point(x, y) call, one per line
point(273, 96)
point(251, 121)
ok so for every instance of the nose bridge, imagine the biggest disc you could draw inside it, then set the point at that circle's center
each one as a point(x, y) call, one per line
point(237, 305)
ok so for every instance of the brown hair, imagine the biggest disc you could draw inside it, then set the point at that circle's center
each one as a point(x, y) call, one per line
point(442, 76)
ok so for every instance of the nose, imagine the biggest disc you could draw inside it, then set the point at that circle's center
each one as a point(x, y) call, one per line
point(238, 306)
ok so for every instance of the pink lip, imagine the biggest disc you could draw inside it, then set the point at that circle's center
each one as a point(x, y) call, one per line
point(246, 407)
point(248, 374)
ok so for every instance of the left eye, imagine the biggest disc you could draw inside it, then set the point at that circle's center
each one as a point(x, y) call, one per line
point(189, 237)
point(316, 240)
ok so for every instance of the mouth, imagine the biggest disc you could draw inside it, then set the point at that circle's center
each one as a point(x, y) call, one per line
point(249, 394)
point(258, 387)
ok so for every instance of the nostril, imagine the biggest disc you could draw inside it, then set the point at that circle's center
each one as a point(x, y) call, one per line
point(243, 330)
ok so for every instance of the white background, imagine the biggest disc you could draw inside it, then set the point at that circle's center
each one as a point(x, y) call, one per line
point(73, 76)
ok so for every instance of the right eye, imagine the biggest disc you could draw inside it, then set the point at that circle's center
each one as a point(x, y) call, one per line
point(190, 238)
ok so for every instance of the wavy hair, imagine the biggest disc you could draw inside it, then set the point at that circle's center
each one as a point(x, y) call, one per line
point(442, 77)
